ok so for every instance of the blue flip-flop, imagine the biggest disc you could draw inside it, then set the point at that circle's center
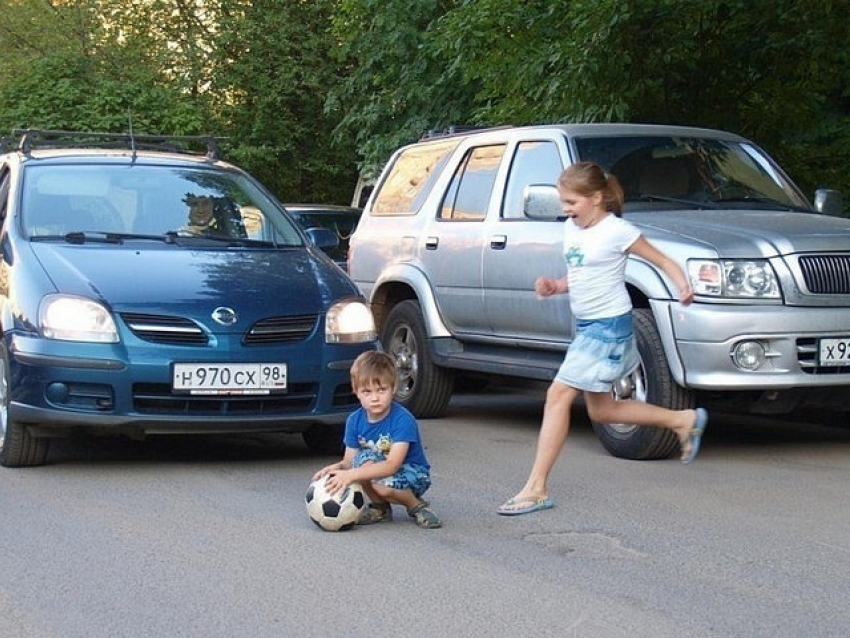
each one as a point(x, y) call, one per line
point(534, 504)
point(695, 436)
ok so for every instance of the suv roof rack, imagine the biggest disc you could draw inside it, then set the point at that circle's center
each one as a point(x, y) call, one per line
point(47, 138)
point(459, 129)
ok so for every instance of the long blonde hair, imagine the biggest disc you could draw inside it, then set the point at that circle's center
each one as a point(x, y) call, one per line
point(587, 178)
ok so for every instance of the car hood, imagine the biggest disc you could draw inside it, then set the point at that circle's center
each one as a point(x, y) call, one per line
point(177, 281)
point(735, 233)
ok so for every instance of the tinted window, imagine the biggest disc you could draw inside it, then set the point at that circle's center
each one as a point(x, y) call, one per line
point(468, 196)
point(533, 163)
point(411, 178)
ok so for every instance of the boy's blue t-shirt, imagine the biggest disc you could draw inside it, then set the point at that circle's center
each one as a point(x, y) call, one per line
point(398, 426)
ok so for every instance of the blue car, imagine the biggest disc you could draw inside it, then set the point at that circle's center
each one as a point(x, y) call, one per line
point(163, 291)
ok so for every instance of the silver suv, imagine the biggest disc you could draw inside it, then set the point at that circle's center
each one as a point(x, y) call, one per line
point(459, 226)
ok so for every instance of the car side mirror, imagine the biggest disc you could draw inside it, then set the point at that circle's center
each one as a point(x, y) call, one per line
point(829, 202)
point(324, 238)
point(541, 201)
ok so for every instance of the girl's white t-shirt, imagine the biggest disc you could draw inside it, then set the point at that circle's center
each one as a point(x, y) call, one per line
point(596, 266)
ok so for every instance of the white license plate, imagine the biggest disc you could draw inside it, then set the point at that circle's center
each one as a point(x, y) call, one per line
point(229, 378)
point(834, 352)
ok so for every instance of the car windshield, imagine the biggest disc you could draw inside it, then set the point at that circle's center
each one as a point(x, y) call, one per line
point(150, 201)
point(692, 172)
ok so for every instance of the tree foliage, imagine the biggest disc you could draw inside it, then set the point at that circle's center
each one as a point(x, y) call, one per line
point(306, 89)
point(775, 71)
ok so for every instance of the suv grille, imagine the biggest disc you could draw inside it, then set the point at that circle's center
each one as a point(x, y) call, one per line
point(826, 274)
point(807, 357)
point(164, 329)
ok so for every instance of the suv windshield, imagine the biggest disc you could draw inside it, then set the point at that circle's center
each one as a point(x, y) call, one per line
point(693, 171)
point(150, 200)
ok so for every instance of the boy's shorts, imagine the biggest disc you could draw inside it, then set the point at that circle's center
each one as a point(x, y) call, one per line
point(603, 351)
point(411, 477)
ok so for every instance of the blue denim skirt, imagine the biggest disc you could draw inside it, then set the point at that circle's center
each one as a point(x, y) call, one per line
point(602, 351)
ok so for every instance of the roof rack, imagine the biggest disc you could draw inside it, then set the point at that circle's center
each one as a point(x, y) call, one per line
point(459, 129)
point(29, 139)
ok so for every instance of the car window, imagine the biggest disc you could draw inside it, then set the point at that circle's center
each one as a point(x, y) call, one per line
point(534, 162)
point(341, 223)
point(409, 181)
point(468, 195)
point(149, 200)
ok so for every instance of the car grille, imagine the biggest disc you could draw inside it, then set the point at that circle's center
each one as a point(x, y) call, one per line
point(826, 274)
point(807, 357)
point(181, 331)
point(157, 398)
point(164, 329)
point(281, 329)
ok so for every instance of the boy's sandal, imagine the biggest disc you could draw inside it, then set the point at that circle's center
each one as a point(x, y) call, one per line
point(376, 513)
point(423, 516)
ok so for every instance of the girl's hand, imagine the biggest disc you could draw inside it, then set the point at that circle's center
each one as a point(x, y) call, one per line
point(545, 286)
point(686, 296)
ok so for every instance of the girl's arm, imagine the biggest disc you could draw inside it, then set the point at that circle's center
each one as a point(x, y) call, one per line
point(642, 248)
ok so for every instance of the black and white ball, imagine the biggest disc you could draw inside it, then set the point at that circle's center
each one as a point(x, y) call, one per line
point(337, 512)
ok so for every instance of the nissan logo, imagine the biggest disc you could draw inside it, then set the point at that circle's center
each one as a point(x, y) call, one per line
point(224, 316)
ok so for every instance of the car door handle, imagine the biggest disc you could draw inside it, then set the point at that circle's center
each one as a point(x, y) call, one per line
point(431, 243)
point(498, 242)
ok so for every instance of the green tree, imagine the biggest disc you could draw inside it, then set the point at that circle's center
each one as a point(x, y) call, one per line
point(775, 71)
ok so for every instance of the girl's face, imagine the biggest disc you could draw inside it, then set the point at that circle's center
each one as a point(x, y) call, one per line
point(585, 210)
point(376, 399)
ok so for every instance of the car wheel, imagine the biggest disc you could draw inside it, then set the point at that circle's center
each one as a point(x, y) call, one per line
point(424, 388)
point(324, 439)
point(652, 383)
point(18, 448)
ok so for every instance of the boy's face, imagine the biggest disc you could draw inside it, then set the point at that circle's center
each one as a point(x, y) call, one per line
point(376, 399)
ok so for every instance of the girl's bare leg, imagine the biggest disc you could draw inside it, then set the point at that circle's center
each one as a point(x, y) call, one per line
point(553, 433)
point(603, 408)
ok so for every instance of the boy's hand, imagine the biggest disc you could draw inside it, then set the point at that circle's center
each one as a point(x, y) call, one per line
point(333, 467)
point(338, 480)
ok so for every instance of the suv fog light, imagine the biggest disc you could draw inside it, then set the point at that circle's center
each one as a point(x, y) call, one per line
point(749, 355)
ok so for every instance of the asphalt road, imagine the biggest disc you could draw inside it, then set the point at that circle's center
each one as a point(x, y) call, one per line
point(208, 537)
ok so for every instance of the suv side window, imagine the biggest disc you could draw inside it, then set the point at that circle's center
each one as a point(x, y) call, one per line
point(468, 195)
point(535, 162)
point(408, 184)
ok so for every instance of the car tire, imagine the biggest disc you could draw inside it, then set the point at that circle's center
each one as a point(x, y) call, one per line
point(652, 383)
point(424, 388)
point(18, 448)
point(324, 439)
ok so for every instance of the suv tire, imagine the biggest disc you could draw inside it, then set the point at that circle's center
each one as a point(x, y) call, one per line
point(651, 383)
point(424, 388)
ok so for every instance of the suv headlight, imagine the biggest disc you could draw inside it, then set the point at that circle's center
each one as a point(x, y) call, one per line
point(350, 321)
point(70, 318)
point(734, 278)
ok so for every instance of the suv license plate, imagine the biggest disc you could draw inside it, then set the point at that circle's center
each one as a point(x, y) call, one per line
point(834, 352)
point(229, 378)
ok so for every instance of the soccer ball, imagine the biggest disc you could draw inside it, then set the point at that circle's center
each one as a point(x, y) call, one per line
point(338, 512)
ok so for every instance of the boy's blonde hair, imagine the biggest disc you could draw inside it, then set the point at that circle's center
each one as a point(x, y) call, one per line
point(373, 368)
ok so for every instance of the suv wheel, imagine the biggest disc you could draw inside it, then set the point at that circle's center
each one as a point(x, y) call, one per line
point(18, 448)
point(652, 383)
point(423, 387)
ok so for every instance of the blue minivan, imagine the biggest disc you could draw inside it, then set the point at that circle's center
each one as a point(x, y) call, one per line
point(150, 291)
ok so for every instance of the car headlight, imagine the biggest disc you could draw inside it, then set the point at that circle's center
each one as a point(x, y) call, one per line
point(70, 318)
point(734, 278)
point(350, 321)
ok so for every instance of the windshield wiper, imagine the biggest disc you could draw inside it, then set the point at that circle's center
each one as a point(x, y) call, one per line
point(673, 200)
point(758, 199)
point(234, 242)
